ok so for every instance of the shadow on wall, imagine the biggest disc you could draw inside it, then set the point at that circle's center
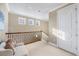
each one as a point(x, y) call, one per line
point(58, 33)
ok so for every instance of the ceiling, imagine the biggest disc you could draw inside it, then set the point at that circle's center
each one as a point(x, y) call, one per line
point(35, 10)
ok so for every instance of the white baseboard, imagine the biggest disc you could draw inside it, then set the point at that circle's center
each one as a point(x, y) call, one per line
point(52, 44)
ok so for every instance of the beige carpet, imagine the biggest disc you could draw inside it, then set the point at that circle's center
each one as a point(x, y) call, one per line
point(43, 49)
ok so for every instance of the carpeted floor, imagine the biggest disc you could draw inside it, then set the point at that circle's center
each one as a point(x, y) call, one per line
point(43, 49)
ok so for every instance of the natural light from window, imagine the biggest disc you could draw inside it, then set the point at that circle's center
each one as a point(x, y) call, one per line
point(58, 33)
point(1, 21)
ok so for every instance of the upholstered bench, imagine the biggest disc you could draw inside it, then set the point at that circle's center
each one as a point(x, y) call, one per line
point(6, 52)
point(21, 51)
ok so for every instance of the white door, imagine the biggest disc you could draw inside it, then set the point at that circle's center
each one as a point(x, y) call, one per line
point(78, 29)
point(67, 28)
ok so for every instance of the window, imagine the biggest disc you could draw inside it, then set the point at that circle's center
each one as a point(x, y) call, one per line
point(37, 23)
point(22, 21)
point(31, 21)
point(1, 21)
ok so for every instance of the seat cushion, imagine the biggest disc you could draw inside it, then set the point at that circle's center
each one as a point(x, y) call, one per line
point(21, 51)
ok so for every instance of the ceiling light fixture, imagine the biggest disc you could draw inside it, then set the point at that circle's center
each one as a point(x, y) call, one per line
point(38, 10)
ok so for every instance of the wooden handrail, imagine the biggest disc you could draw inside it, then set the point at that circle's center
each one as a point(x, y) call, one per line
point(22, 32)
point(26, 37)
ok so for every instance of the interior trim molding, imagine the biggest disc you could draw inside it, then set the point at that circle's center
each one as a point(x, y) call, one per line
point(60, 6)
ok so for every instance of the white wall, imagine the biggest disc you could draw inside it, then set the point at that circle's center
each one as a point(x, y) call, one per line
point(52, 25)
